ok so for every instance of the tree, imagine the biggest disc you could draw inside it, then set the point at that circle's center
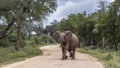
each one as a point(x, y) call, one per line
point(113, 24)
point(24, 10)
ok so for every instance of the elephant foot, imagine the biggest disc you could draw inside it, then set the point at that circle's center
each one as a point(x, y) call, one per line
point(64, 58)
point(73, 58)
point(70, 55)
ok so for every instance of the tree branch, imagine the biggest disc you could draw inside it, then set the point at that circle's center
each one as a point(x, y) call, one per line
point(5, 32)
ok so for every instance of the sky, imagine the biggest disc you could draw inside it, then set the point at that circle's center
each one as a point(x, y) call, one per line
point(67, 7)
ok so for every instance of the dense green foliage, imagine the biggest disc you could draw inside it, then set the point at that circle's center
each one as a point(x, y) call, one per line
point(100, 29)
point(42, 39)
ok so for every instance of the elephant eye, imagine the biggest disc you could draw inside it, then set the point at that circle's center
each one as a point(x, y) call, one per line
point(57, 36)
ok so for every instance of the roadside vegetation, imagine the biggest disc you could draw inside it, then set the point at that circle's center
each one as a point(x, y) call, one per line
point(109, 58)
point(28, 48)
point(9, 55)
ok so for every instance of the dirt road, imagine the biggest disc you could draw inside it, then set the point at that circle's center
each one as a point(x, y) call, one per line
point(52, 59)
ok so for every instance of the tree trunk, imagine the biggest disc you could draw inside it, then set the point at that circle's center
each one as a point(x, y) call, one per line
point(103, 42)
point(94, 41)
point(116, 46)
point(85, 42)
point(88, 41)
point(29, 36)
point(79, 42)
point(17, 45)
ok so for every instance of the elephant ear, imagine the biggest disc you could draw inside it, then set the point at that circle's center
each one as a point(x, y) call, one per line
point(68, 35)
point(56, 35)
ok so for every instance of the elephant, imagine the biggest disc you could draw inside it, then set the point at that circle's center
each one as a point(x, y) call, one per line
point(68, 41)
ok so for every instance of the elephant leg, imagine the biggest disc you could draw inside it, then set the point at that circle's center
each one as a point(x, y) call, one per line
point(63, 54)
point(73, 54)
point(70, 53)
point(64, 51)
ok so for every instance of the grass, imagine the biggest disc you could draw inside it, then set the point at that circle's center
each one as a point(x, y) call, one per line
point(9, 55)
point(109, 58)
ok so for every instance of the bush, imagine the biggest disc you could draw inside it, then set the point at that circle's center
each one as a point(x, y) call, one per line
point(12, 37)
point(23, 43)
point(42, 39)
point(4, 42)
point(9, 40)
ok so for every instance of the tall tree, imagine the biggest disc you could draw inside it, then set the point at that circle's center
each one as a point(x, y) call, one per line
point(113, 24)
point(24, 10)
point(102, 5)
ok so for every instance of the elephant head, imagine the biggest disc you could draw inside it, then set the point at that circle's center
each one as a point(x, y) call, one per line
point(68, 36)
point(59, 36)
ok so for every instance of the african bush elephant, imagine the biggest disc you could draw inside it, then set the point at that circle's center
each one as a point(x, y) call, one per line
point(69, 41)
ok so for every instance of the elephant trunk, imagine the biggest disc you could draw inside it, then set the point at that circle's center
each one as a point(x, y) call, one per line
point(63, 44)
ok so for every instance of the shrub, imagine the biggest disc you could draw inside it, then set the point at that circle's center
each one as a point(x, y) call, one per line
point(42, 39)
point(4, 42)
point(12, 37)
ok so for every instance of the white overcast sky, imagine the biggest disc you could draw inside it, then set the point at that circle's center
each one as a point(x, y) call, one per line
point(67, 7)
